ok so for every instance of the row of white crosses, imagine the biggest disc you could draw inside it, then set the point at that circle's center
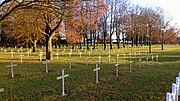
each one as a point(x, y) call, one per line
point(173, 96)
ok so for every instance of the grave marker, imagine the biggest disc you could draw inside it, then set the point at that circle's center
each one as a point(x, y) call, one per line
point(152, 59)
point(124, 55)
point(28, 52)
point(99, 57)
point(109, 57)
point(57, 55)
point(130, 65)
point(86, 60)
point(1, 90)
point(80, 53)
point(96, 70)
point(146, 60)
point(12, 53)
point(12, 70)
point(46, 65)
point(62, 77)
point(117, 65)
point(21, 55)
point(5, 51)
point(140, 63)
point(40, 56)
point(89, 54)
point(117, 60)
point(157, 58)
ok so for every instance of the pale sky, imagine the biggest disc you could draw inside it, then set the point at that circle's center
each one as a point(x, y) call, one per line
point(171, 7)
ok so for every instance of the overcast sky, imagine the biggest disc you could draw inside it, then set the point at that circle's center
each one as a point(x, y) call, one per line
point(172, 8)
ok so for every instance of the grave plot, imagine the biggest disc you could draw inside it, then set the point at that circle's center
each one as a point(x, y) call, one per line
point(115, 81)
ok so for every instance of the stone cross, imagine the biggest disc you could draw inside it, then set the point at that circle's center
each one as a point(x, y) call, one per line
point(129, 55)
point(21, 57)
point(135, 54)
point(70, 54)
point(80, 54)
point(62, 77)
point(130, 65)
point(70, 62)
point(99, 57)
point(46, 65)
point(40, 56)
point(146, 60)
point(28, 52)
point(86, 60)
point(1, 90)
point(157, 58)
point(117, 65)
point(117, 60)
point(57, 55)
point(152, 59)
point(109, 57)
point(89, 54)
point(5, 51)
point(12, 70)
point(97, 81)
point(12, 53)
point(140, 63)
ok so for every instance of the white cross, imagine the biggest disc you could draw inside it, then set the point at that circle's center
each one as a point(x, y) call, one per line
point(139, 63)
point(12, 53)
point(99, 59)
point(57, 55)
point(135, 54)
point(70, 62)
point(117, 59)
point(146, 60)
point(86, 60)
point(21, 57)
point(40, 56)
point(130, 55)
point(70, 54)
point(109, 57)
point(46, 63)
point(28, 52)
point(80, 54)
point(116, 65)
point(97, 73)
point(12, 71)
point(157, 58)
point(89, 54)
point(5, 51)
point(1, 90)
point(62, 77)
point(124, 56)
point(152, 59)
point(130, 65)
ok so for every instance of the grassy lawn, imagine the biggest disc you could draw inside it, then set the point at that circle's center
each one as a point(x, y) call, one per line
point(146, 83)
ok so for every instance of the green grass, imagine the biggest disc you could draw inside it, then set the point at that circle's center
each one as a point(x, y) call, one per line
point(148, 83)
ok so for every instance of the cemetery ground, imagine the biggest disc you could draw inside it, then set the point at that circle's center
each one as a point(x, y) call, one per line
point(145, 81)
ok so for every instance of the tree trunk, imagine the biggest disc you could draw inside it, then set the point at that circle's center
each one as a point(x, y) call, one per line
point(124, 40)
point(136, 40)
point(94, 36)
point(105, 40)
point(132, 39)
point(35, 46)
point(149, 45)
point(111, 41)
point(87, 42)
